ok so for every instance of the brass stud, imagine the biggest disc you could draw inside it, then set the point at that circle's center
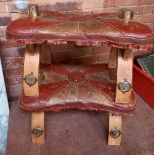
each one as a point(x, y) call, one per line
point(127, 15)
point(124, 86)
point(41, 77)
point(30, 79)
point(37, 132)
point(115, 133)
point(33, 11)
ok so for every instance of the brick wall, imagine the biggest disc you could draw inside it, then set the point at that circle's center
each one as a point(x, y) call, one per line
point(12, 54)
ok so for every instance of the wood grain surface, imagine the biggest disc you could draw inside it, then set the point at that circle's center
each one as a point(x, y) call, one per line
point(31, 65)
point(38, 122)
point(124, 71)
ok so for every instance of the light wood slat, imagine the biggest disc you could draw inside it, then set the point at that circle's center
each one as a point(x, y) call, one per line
point(114, 122)
point(124, 71)
point(31, 65)
point(112, 63)
point(38, 122)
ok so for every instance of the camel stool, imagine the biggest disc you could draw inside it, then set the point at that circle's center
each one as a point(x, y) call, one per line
point(57, 87)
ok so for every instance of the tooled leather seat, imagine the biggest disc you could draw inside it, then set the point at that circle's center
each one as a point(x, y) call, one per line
point(85, 29)
point(76, 87)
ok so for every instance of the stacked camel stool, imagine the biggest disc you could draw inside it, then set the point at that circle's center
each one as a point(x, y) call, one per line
point(57, 87)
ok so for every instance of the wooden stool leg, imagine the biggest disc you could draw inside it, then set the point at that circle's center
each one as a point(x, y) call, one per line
point(31, 70)
point(37, 126)
point(112, 63)
point(115, 129)
point(45, 54)
point(124, 76)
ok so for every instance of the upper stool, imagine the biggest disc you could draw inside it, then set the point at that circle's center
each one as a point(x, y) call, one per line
point(57, 87)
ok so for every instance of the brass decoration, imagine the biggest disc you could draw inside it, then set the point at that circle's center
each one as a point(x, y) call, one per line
point(33, 11)
point(115, 133)
point(37, 132)
point(124, 86)
point(41, 77)
point(127, 15)
point(30, 79)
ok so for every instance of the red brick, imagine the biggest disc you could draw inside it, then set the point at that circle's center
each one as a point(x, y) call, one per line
point(8, 44)
point(72, 6)
point(9, 52)
point(75, 53)
point(14, 80)
point(132, 2)
point(13, 72)
point(66, 6)
point(102, 58)
point(146, 1)
point(142, 9)
point(83, 60)
point(108, 3)
point(15, 90)
point(4, 21)
point(125, 2)
point(147, 9)
point(13, 62)
point(111, 10)
point(144, 18)
point(13, 99)
point(62, 48)
point(101, 50)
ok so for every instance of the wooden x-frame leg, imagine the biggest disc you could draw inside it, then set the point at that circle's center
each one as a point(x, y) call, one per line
point(124, 76)
point(115, 129)
point(31, 70)
point(112, 63)
point(37, 128)
point(31, 85)
point(122, 61)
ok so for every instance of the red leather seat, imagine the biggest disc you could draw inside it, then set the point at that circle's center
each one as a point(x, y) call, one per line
point(96, 29)
point(82, 87)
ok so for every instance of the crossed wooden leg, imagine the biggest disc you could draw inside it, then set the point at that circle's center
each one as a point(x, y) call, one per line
point(37, 127)
point(31, 85)
point(122, 61)
point(115, 129)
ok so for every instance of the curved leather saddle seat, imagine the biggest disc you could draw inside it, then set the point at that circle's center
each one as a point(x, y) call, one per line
point(86, 30)
point(76, 87)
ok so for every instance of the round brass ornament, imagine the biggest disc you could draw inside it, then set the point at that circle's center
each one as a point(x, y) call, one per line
point(115, 133)
point(37, 132)
point(30, 79)
point(124, 86)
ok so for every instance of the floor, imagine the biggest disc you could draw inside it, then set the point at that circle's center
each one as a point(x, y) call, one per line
point(77, 132)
